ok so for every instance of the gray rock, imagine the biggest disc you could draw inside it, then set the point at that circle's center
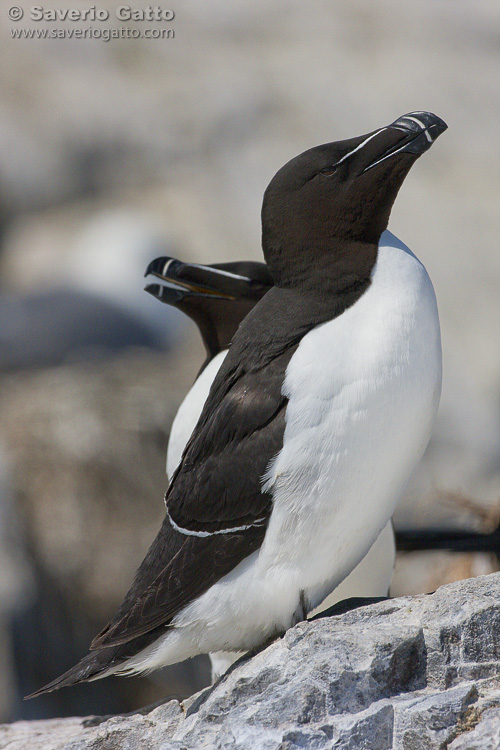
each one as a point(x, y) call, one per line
point(484, 736)
point(416, 673)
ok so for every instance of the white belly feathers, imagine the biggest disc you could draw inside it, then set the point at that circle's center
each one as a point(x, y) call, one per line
point(363, 392)
point(189, 412)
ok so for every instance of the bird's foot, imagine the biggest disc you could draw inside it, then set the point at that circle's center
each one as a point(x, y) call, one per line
point(301, 610)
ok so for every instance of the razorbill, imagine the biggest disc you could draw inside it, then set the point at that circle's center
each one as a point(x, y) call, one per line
point(313, 425)
point(217, 298)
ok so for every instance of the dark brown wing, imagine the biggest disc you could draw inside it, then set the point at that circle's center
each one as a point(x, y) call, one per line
point(216, 511)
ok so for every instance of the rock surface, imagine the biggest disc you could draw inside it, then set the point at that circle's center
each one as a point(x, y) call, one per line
point(415, 673)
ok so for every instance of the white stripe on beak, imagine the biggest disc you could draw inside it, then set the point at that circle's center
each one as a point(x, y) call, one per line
point(346, 156)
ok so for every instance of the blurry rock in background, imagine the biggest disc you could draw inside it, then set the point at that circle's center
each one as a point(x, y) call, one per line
point(112, 154)
point(85, 303)
point(417, 572)
point(16, 586)
point(87, 450)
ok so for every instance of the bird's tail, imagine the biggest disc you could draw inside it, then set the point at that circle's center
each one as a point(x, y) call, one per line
point(100, 663)
point(95, 665)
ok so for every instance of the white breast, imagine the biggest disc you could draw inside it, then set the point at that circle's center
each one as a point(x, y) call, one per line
point(363, 392)
point(189, 412)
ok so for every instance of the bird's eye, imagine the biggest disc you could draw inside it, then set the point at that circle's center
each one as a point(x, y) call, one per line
point(328, 171)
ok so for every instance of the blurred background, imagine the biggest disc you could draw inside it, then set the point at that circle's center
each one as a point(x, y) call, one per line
point(112, 153)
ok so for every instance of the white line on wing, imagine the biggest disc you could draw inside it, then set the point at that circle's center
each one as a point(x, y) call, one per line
point(190, 532)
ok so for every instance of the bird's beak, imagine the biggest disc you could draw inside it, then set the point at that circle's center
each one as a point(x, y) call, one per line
point(185, 279)
point(420, 130)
